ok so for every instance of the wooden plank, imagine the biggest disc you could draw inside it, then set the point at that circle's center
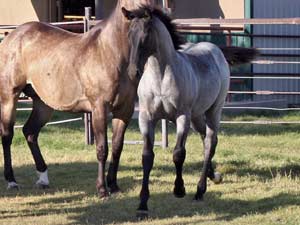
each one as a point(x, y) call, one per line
point(208, 21)
point(196, 22)
point(201, 21)
point(211, 28)
point(164, 133)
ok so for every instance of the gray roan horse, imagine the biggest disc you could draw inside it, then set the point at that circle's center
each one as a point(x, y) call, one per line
point(69, 72)
point(188, 87)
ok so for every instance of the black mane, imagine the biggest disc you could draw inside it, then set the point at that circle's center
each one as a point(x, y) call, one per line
point(167, 21)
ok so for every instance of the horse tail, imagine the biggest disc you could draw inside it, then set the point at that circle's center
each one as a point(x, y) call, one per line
point(239, 55)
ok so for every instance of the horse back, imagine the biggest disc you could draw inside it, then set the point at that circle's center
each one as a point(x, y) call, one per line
point(206, 63)
point(43, 56)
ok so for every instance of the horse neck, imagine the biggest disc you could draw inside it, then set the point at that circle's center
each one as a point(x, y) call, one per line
point(114, 35)
point(164, 52)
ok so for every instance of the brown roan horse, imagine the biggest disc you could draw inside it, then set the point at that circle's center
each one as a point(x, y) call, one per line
point(71, 72)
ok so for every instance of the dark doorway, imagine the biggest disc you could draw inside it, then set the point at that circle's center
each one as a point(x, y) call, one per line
point(76, 7)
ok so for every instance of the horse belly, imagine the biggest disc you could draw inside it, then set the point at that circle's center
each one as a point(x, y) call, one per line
point(209, 92)
point(60, 93)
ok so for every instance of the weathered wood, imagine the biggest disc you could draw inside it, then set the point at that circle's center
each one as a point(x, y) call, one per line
point(164, 133)
point(256, 21)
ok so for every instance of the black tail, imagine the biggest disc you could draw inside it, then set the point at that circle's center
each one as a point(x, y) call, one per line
point(239, 55)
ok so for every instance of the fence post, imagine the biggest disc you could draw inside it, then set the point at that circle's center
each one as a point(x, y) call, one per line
point(87, 18)
point(229, 38)
point(59, 10)
point(89, 134)
point(165, 3)
point(166, 7)
point(164, 133)
point(99, 9)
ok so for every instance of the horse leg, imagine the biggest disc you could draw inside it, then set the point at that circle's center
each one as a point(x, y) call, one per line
point(210, 142)
point(119, 127)
point(199, 125)
point(7, 121)
point(147, 128)
point(182, 127)
point(40, 115)
point(100, 131)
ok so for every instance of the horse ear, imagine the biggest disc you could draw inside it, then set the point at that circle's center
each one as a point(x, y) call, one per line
point(148, 14)
point(128, 14)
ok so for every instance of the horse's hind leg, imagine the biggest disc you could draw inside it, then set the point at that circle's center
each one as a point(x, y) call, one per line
point(182, 127)
point(210, 142)
point(40, 115)
point(7, 120)
point(199, 125)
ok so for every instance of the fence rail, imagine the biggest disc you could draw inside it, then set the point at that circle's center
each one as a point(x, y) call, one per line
point(198, 23)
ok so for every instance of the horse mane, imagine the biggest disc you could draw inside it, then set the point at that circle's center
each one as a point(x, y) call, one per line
point(177, 39)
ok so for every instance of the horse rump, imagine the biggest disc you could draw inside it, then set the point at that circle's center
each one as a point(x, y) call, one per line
point(239, 55)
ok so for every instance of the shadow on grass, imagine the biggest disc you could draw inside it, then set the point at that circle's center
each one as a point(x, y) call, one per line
point(78, 181)
point(162, 206)
point(243, 168)
point(81, 176)
point(167, 206)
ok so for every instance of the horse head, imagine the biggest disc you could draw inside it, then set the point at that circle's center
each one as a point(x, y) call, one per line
point(150, 31)
point(139, 36)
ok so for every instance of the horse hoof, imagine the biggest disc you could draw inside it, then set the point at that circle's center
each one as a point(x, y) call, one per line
point(179, 192)
point(114, 189)
point(103, 195)
point(217, 178)
point(142, 214)
point(198, 197)
point(42, 186)
point(12, 186)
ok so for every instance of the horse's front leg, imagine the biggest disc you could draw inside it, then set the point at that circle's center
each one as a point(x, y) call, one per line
point(119, 127)
point(7, 120)
point(100, 131)
point(147, 127)
point(182, 127)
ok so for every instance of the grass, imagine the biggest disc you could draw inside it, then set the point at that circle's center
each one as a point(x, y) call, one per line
point(260, 164)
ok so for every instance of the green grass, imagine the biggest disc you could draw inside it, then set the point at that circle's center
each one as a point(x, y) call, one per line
point(260, 164)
